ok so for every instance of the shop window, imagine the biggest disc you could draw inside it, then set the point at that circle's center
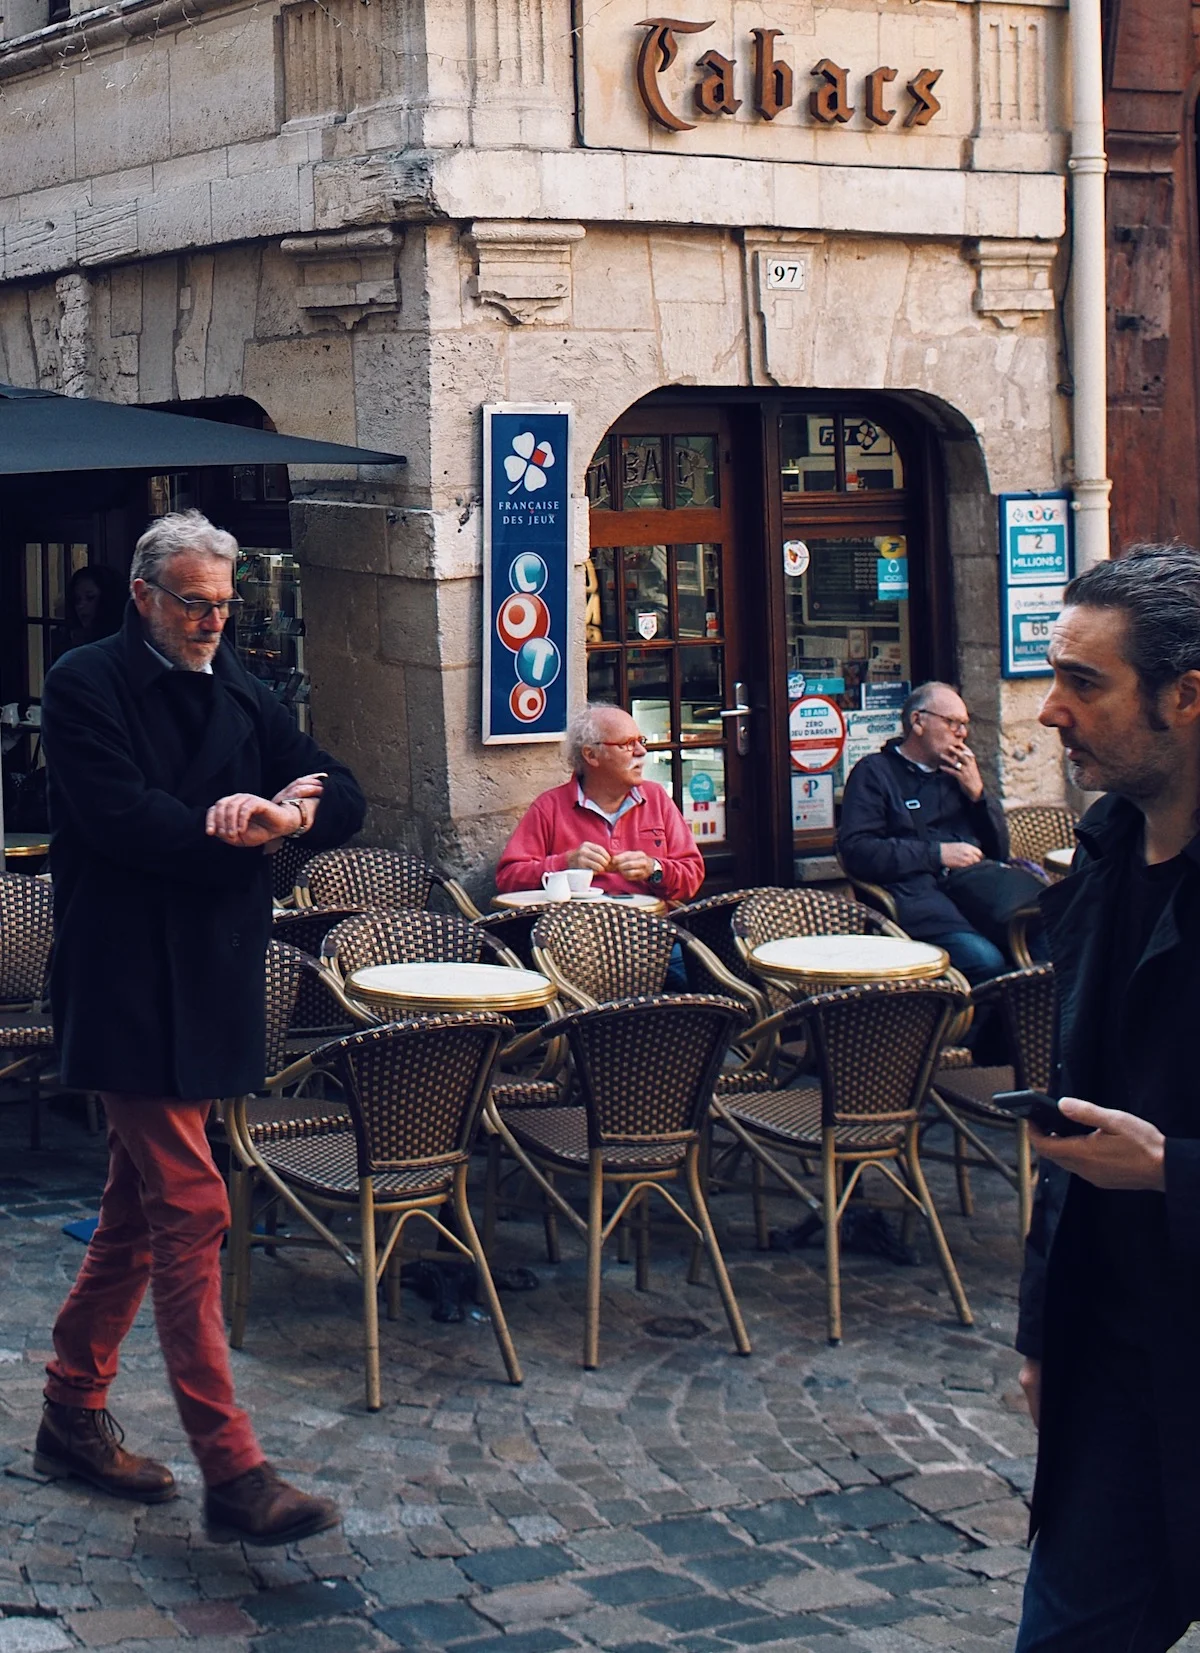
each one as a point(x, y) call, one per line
point(47, 572)
point(654, 473)
point(270, 628)
point(837, 453)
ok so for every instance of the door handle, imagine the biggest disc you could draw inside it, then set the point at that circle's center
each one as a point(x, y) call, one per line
point(741, 713)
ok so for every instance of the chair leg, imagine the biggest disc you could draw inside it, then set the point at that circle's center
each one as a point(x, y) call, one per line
point(833, 1278)
point(642, 1279)
point(623, 1240)
point(469, 1233)
point(35, 1110)
point(966, 1199)
point(916, 1178)
point(700, 1211)
point(595, 1242)
point(366, 1218)
point(758, 1183)
point(241, 1202)
point(1024, 1178)
point(391, 1277)
point(550, 1224)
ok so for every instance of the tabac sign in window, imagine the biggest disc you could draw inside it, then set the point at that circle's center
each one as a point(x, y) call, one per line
point(526, 566)
point(1035, 565)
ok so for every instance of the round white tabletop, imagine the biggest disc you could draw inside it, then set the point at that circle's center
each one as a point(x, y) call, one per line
point(540, 898)
point(22, 844)
point(846, 959)
point(1058, 860)
point(436, 986)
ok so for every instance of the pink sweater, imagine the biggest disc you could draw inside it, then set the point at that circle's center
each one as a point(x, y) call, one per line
point(556, 823)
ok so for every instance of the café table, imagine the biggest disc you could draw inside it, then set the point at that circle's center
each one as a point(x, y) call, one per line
point(800, 965)
point(1058, 861)
point(425, 989)
point(540, 898)
point(19, 846)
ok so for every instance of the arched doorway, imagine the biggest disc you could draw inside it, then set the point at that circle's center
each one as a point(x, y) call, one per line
point(751, 560)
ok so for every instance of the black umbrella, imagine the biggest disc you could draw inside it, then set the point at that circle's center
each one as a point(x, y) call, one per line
point(41, 431)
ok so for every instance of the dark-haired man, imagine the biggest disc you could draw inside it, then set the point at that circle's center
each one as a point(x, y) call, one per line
point(916, 813)
point(1110, 1299)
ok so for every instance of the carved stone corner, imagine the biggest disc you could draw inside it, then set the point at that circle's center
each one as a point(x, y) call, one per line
point(523, 269)
point(345, 275)
point(1012, 279)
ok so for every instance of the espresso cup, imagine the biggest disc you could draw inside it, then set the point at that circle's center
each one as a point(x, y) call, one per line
point(557, 885)
point(580, 880)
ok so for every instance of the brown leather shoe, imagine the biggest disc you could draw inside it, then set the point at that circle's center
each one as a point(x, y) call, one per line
point(260, 1507)
point(78, 1440)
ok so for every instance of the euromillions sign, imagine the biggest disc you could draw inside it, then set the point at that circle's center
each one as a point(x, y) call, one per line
point(1035, 565)
point(526, 569)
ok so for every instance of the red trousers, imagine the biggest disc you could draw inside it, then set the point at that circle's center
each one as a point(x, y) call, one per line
point(163, 1214)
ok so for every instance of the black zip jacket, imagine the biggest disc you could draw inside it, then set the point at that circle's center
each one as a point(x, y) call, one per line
point(894, 817)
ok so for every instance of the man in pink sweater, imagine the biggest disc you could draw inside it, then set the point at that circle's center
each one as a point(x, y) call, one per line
point(625, 831)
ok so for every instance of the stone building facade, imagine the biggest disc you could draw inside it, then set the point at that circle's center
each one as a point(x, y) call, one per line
point(368, 220)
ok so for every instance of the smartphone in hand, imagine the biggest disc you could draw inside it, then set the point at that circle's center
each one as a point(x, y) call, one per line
point(1040, 1110)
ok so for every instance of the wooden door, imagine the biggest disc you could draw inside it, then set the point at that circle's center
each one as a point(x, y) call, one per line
point(662, 625)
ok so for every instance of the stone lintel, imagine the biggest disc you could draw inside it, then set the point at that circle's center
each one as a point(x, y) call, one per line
point(523, 268)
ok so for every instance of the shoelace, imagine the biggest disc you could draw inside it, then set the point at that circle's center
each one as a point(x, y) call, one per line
point(106, 1426)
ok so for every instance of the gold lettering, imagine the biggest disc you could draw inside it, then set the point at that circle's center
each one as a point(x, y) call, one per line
point(877, 111)
point(661, 41)
point(925, 105)
point(772, 77)
point(714, 92)
point(829, 101)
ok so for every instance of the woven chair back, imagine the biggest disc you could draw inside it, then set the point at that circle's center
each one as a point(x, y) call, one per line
point(512, 927)
point(876, 1047)
point(416, 1088)
point(403, 937)
point(26, 932)
point(711, 921)
point(307, 927)
point(1035, 828)
point(1028, 1006)
point(286, 862)
point(769, 914)
point(368, 878)
point(646, 1066)
point(285, 968)
point(604, 950)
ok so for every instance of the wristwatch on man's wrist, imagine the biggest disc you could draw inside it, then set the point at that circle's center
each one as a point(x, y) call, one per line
point(656, 872)
point(299, 808)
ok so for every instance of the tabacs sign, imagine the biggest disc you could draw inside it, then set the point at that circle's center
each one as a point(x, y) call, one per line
point(1035, 565)
point(526, 567)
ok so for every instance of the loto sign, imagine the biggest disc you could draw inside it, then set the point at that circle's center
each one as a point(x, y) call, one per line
point(832, 101)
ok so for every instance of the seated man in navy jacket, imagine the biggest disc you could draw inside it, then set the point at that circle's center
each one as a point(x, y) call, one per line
point(916, 812)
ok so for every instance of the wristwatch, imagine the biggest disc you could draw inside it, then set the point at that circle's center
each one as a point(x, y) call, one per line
point(299, 808)
point(656, 872)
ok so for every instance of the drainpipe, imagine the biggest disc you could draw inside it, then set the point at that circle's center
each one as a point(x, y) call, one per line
point(1089, 332)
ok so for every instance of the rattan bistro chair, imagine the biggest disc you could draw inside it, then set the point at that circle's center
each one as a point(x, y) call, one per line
point(711, 922)
point(414, 1091)
point(1024, 1003)
point(644, 1070)
point(1035, 828)
point(291, 855)
point(375, 878)
point(26, 1033)
point(874, 1049)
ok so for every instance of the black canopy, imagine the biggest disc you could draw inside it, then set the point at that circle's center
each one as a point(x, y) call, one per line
point(41, 431)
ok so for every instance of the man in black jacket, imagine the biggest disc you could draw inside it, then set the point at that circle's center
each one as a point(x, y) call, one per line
point(916, 813)
point(1110, 1298)
point(173, 774)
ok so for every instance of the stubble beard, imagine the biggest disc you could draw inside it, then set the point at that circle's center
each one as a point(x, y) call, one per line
point(166, 645)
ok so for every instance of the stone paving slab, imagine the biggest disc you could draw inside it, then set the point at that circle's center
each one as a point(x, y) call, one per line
point(863, 1499)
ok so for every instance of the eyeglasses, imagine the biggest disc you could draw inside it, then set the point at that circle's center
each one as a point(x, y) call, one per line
point(629, 747)
point(199, 608)
point(958, 725)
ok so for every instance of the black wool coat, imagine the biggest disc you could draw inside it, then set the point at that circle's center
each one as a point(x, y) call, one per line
point(1162, 1085)
point(895, 817)
point(157, 976)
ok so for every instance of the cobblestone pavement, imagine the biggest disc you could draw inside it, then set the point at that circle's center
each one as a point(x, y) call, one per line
point(807, 1498)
